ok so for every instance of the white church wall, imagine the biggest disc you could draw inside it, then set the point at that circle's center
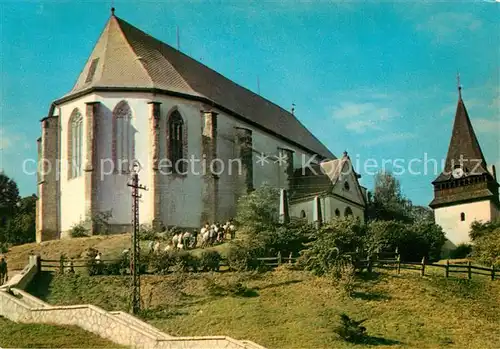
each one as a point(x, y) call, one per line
point(295, 210)
point(456, 230)
point(114, 194)
point(262, 143)
point(337, 203)
point(72, 191)
point(181, 196)
point(352, 193)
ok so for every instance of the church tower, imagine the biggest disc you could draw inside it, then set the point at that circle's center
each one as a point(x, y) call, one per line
point(466, 190)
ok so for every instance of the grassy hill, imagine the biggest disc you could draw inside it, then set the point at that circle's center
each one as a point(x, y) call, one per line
point(293, 309)
point(14, 335)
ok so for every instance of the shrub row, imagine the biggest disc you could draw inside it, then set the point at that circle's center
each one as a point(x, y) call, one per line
point(161, 263)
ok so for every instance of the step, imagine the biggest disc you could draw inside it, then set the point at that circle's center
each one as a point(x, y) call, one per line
point(132, 320)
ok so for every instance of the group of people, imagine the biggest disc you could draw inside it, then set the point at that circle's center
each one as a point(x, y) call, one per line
point(208, 235)
point(4, 277)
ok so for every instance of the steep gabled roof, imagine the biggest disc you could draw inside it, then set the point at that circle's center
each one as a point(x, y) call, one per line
point(463, 145)
point(126, 57)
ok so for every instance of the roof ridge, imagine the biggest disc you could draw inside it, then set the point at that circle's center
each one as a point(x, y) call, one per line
point(214, 71)
point(122, 21)
point(117, 19)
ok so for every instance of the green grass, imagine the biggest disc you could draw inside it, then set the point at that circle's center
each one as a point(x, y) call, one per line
point(14, 335)
point(293, 310)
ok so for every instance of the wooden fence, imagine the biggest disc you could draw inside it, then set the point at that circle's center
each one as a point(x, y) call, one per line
point(386, 260)
point(397, 264)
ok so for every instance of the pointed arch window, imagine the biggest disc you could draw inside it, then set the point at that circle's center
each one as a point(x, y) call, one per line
point(176, 142)
point(123, 138)
point(462, 216)
point(348, 212)
point(75, 144)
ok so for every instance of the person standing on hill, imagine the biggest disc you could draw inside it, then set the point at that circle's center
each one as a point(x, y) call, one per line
point(3, 271)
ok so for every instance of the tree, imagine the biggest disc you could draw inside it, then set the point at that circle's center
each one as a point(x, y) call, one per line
point(21, 228)
point(486, 242)
point(258, 211)
point(9, 197)
point(387, 202)
point(17, 216)
point(413, 240)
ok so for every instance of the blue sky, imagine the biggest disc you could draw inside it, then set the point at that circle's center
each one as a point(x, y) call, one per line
point(375, 79)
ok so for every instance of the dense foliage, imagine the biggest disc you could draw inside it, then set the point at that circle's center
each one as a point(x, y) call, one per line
point(461, 251)
point(331, 246)
point(413, 241)
point(486, 242)
point(17, 215)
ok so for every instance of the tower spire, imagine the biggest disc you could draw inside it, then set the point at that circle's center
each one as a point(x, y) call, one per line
point(459, 86)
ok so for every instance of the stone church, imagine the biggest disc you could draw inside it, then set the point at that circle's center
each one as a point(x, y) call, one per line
point(467, 189)
point(199, 140)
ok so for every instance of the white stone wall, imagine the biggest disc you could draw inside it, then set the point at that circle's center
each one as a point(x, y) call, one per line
point(328, 205)
point(181, 196)
point(72, 191)
point(457, 231)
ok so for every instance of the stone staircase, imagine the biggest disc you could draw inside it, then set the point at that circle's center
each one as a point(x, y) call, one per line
point(116, 326)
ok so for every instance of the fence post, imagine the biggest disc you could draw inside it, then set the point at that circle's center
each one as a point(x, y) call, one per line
point(469, 270)
point(290, 258)
point(279, 258)
point(447, 268)
point(423, 265)
point(61, 264)
point(492, 272)
point(399, 262)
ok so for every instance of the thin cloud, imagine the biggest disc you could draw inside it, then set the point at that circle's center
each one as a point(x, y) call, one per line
point(364, 116)
point(486, 125)
point(448, 26)
point(389, 138)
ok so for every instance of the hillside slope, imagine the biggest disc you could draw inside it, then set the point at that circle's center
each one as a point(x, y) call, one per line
point(14, 335)
point(293, 310)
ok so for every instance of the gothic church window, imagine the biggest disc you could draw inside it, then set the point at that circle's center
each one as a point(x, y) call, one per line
point(302, 214)
point(348, 212)
point(462, 216)
point(337, 212)
point(123, 138)
point(176, 142)
point(75, 144)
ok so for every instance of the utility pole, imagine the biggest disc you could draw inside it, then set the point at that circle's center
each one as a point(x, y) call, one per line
point(135, 250)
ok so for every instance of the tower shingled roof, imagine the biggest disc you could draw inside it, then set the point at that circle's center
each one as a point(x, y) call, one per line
point(463, 145)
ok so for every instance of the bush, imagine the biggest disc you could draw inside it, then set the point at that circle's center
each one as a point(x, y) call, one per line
point(242, 258)
point(413, 241)
point(210, 260)
point(461, 251)
point(118, 267)
point(162, 262)
point(4, 247)
point(146, 233)
point(486, 248)
point(329, 250)
point(351, 330)
point(185, 261)
point(78, 231)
